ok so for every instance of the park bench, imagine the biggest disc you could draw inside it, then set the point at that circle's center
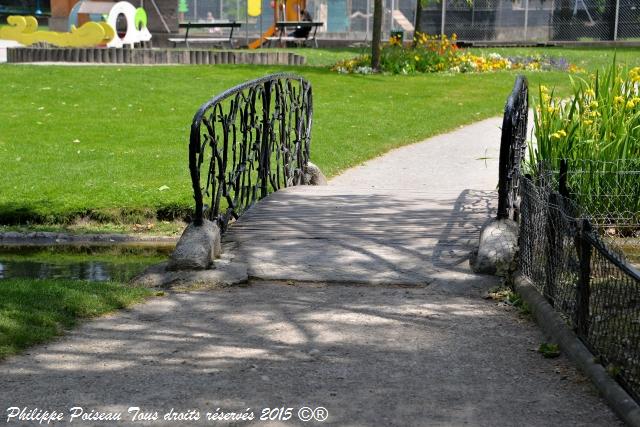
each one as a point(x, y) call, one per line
point(282, 37)
point(208, 25)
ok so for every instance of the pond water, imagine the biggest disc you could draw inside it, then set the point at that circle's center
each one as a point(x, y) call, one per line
point(82, 262)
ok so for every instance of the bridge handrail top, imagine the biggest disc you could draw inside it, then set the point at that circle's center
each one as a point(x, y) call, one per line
point(197, 118)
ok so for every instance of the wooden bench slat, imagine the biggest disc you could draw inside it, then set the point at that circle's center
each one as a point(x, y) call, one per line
point(283, 25)
point(210, 25)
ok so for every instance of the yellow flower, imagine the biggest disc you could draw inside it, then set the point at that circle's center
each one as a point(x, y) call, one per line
point(550, 109)
point(561, 132)
point(544, 89)
point(593, 104)
point(417, 58)
point(573, 68)
point(556, 135)
point(630, 104)
point(590, 92)
point(588, 122)
point(618, 100)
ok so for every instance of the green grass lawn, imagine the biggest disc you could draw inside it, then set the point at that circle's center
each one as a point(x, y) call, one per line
point(101, 142)
point(323, 57)
point(34, 311)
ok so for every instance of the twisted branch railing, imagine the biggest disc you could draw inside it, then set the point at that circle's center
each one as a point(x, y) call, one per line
point(252, 139)
point(513, 145)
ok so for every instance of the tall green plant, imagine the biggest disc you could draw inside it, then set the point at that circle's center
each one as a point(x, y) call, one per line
point(597, 130)
point(600, 121)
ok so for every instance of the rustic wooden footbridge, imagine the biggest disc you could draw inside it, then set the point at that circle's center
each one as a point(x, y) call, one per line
point(252, 143)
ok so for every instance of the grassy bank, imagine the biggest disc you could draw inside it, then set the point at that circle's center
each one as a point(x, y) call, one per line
point(34, 311)
point(104, 143)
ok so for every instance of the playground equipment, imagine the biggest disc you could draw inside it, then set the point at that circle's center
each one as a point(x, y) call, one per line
point(105, 24)
point(580, 4)
point(130, 29)
point(285, 10)
point(24, 30)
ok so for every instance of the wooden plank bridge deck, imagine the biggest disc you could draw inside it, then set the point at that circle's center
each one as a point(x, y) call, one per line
point(410, 217)
point(362, 235)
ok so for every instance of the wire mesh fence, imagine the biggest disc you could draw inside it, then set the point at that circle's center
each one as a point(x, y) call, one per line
point(568, 259)
point(343, 19)
point(534, 20)
point(471, 20)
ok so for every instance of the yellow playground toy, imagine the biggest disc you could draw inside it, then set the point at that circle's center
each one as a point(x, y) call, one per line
point(24, 30)
point(99, 21)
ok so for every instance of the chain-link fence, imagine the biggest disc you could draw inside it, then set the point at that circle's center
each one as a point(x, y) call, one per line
point(343, 19)
point(534, 20)
point(471, 20)
point(569, 261)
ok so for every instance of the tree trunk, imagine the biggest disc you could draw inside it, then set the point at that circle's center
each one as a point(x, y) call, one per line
point(377, 35)
point(417, 29)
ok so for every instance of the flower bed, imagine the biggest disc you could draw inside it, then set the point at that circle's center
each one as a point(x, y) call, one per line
point(432, 54)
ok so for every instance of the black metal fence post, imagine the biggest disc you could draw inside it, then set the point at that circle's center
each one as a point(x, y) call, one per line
point(583, 290)
point(554, 242)
point(563, 187)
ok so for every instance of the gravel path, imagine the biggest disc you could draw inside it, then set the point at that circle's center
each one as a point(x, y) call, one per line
point(372, 355)
point(466, 158)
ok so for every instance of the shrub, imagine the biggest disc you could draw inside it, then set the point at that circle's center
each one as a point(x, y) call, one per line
point(431, 54)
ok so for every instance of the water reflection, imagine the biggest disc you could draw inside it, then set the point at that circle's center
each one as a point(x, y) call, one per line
point(94, 263)
point(96, 271)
